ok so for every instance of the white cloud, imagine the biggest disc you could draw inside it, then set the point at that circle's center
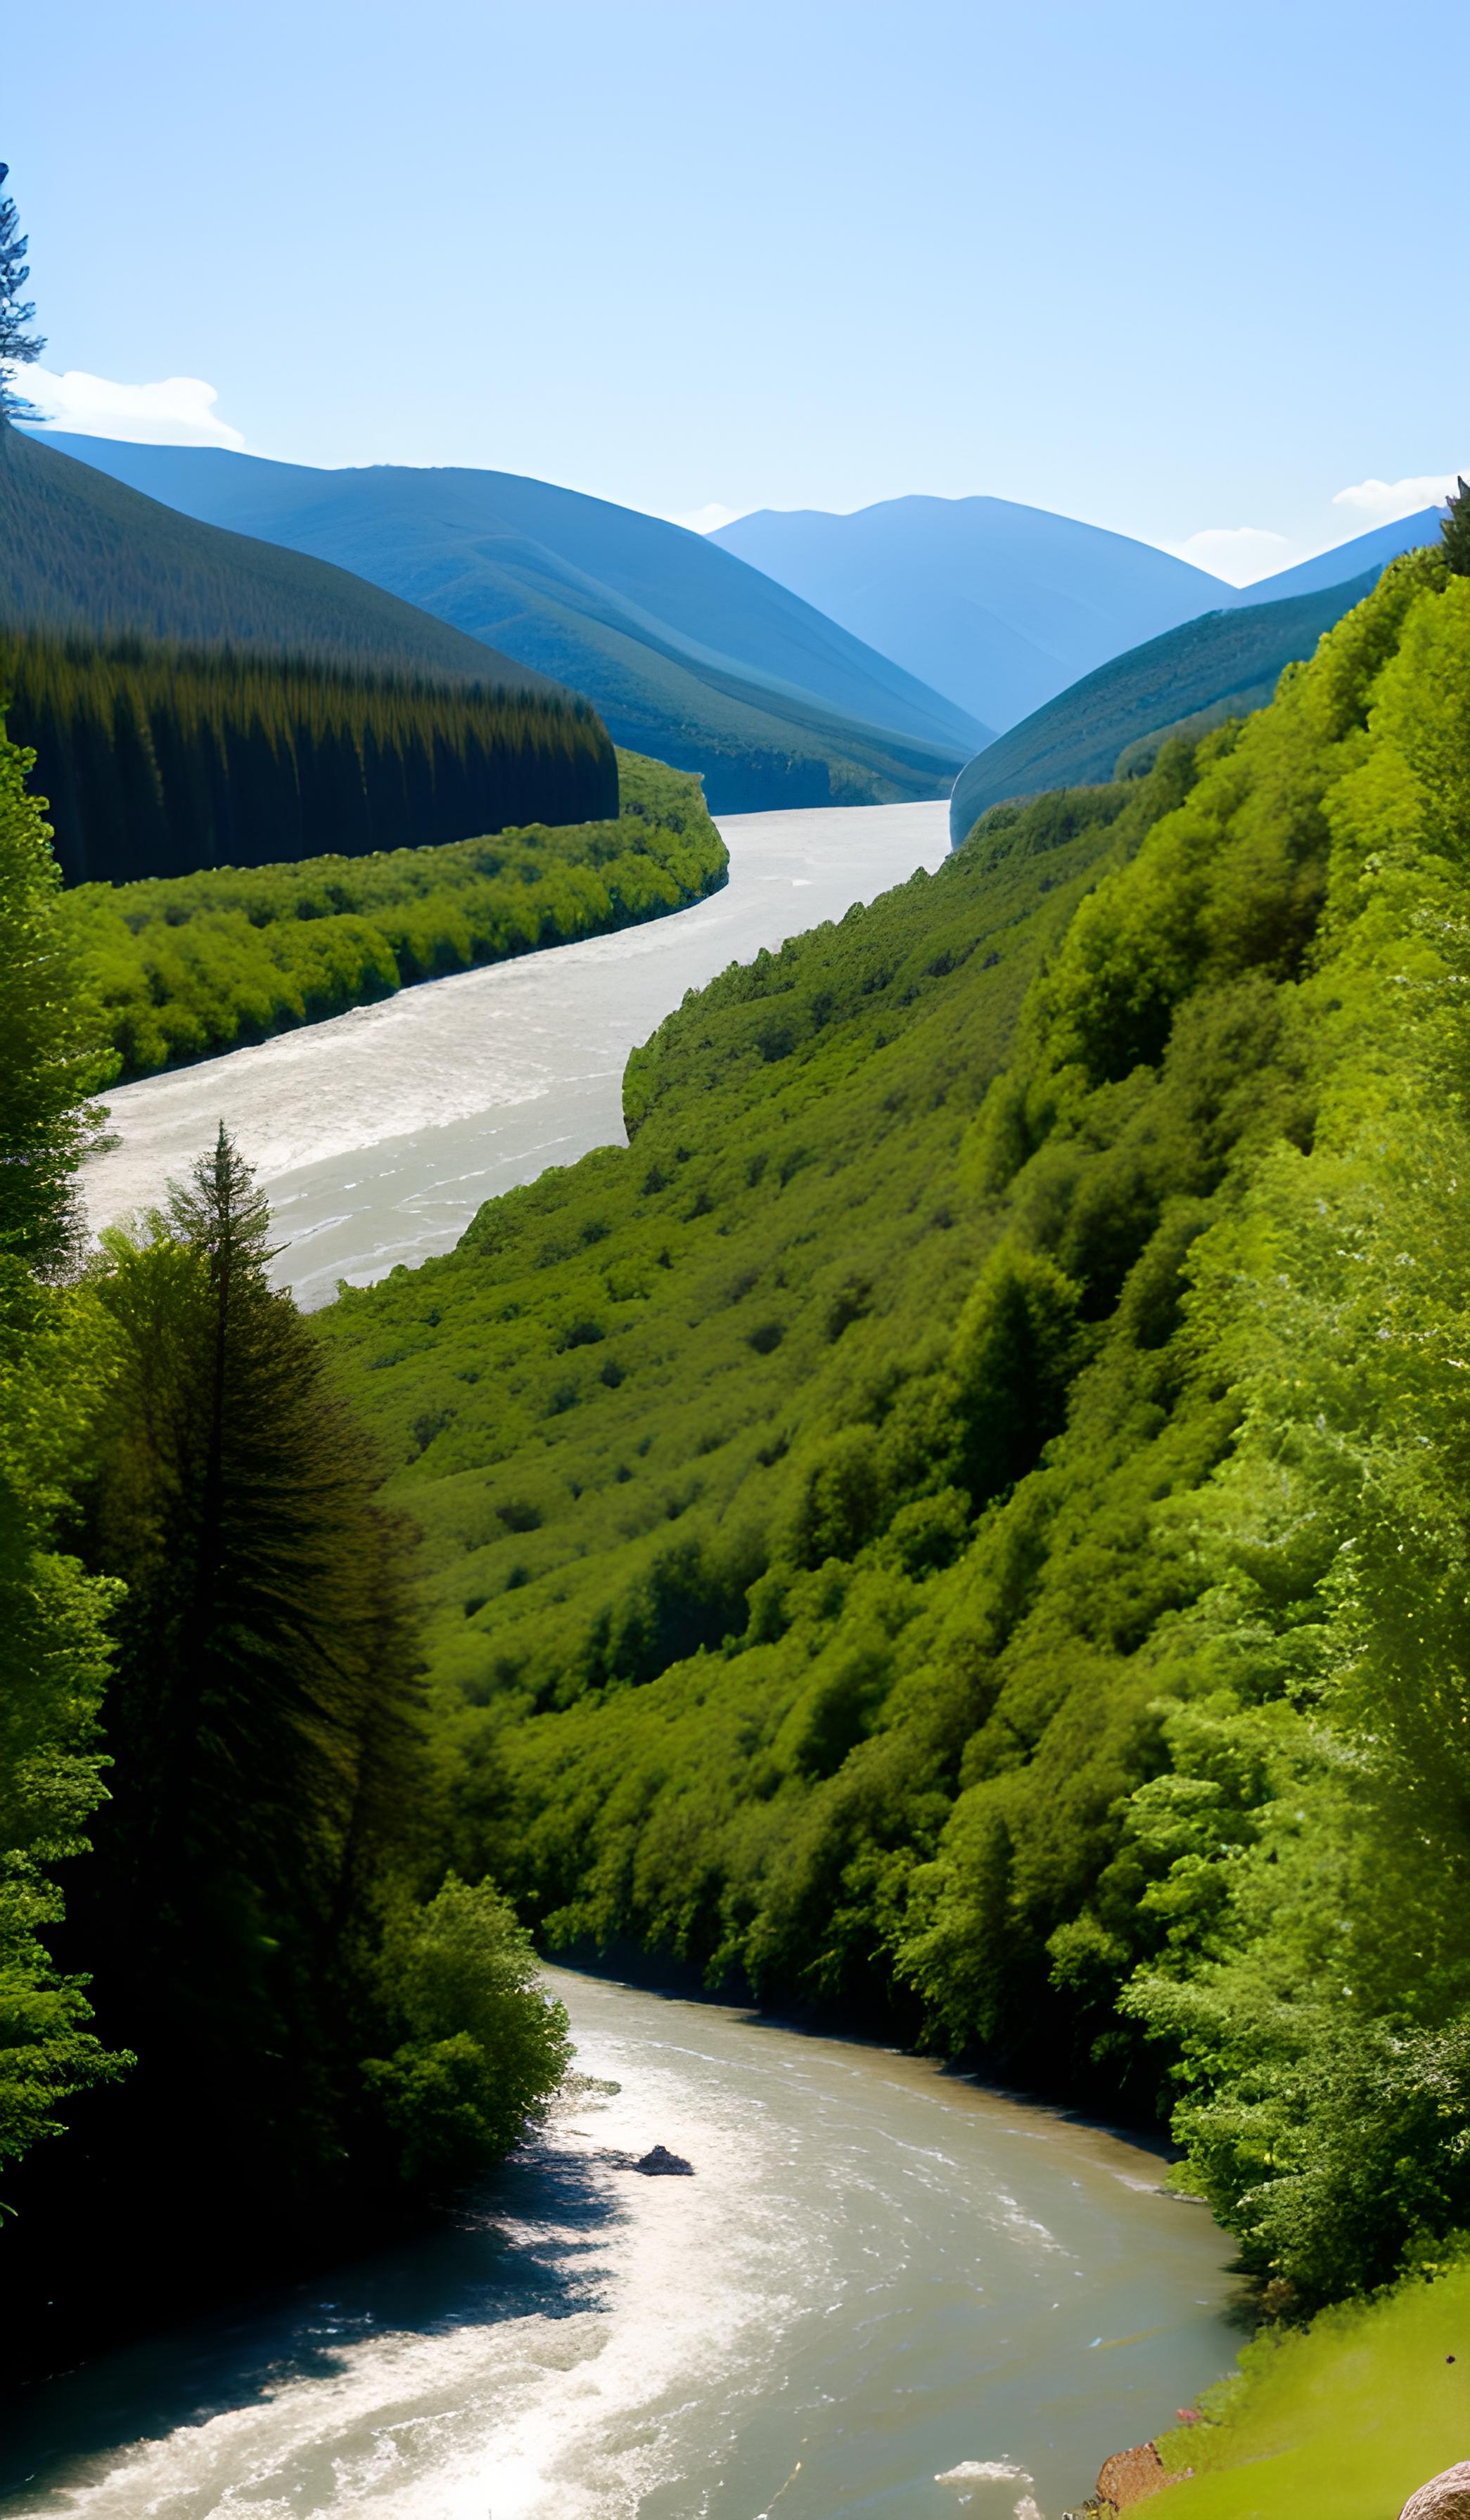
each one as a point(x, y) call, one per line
point(1382, 502)
point(179, 411)
point(1239, 553)
point(705, 520)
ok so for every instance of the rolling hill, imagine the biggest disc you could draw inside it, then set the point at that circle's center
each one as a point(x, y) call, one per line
point(1001, 606)
point(686, 653)
point(79, 552)
point(1222, 666)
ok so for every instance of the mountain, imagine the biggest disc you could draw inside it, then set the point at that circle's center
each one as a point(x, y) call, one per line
point(685, 651)
point(1222, 666)
point(1374, 550)
point(999, 606)
point(81, 551)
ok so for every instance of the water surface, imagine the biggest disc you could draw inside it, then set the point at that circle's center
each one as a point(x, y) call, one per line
point(884, 2292)
point(381, 1132)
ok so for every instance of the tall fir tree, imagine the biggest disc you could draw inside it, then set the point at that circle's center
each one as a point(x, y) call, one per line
point(19, 345)
point(263, 1718)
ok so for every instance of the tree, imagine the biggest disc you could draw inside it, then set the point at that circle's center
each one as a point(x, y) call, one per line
point(17, 346)
point(1456, 528)
point(262, 1720)
point(53, 1649)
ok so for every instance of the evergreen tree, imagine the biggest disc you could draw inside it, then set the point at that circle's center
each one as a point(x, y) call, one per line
point(17, 346)
point(1456, 528)
point(262, 1720)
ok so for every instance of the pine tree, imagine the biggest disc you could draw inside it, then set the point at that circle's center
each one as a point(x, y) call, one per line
point(1456, 529)
point(262, 1720)
point(17, 346)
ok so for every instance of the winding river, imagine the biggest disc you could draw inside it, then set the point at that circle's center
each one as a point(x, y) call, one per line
point(380, 1133)
point(884, 2292)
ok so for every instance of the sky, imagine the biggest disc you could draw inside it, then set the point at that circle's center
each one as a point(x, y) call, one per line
point(1191, 272)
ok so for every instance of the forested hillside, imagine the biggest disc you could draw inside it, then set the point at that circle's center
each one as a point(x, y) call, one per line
point(184, 969)
point(80, 553)
point(1224, 665)
point(162, 761)
point(963, 1519)
point(687, 654)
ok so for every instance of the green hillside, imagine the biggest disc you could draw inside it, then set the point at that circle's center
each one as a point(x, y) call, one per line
point(963, 1518)
point(686, 653)
point(184, 969)
point(79, 552)
point(160, 760)
point(1222, 666)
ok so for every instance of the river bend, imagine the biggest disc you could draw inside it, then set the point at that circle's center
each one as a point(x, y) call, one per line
point(884, 2293)
point(381, 1132)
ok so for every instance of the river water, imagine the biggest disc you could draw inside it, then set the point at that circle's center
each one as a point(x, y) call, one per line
point(883, 2292)
point(380, 1133)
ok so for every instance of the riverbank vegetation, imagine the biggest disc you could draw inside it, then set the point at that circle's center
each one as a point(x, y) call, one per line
point(163, 760)
point(963, 1519)
point(234, 1961)
point(1345, 2419)
point(186, 967)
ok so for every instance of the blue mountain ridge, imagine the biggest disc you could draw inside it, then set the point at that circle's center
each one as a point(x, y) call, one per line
point(983, 598)
point(684, 649)
point(1004, 606)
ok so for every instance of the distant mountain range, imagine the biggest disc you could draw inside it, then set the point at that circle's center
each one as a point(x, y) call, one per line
point(997, 606)
point(1002, 607)
point(82, 552)
point(686, 653)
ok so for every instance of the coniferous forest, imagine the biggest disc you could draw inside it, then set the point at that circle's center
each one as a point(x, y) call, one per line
point(162, 761)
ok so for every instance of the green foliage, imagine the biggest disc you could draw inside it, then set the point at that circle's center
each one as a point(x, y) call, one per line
point(53, 1658)
point(261, 1908)
point(1454, 532)
point(484, 2046)
point(163, 760)
point(183, 967)
point(1344, 2422)
point(1011, 1393)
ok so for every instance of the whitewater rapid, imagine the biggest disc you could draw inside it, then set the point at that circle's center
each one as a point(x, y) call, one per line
point(884, 2292)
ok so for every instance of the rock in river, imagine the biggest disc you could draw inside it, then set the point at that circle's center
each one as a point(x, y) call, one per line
point(660, 2164)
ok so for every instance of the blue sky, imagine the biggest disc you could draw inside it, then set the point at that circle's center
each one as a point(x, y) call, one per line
point(1182, 270)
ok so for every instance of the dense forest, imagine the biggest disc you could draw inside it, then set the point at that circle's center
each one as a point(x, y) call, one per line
point(162, 761)
point(232, 1958)
point(185, 968)
point(963, 1520)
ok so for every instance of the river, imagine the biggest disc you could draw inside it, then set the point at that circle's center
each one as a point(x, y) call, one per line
point(883, 2291)
point(378, 1134)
